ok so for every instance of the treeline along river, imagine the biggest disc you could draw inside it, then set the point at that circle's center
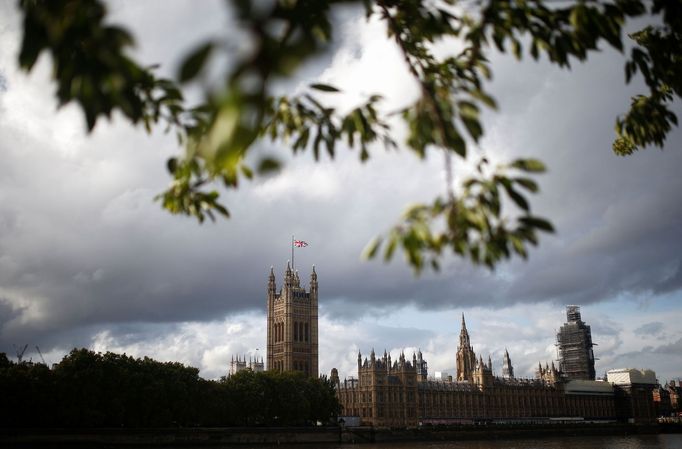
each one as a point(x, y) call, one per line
point(94, 390)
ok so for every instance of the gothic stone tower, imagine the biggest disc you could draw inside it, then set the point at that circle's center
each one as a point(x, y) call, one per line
point(292, 324)
point(466, 358)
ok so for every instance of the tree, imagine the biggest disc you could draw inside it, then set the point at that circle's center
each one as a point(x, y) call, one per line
point(92, 68)
point(91, 389)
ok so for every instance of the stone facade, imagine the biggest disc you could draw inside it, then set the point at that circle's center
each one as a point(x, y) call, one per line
point(400, 394)
point(292, 337)
point(240, 363)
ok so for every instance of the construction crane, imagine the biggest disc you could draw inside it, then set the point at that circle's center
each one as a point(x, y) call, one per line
point(41, 355)
point(20, 353)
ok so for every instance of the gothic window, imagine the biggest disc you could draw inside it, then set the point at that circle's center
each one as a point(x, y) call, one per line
point(295, 331)
point(306, 331)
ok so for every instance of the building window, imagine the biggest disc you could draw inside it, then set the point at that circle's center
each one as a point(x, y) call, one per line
point(306, 331)
point(295, 331)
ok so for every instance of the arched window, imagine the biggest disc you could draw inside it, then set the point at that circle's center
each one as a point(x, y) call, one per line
point(306, 331)
point(295, 331)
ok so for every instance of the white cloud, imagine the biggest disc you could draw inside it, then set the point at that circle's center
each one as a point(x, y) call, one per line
point(321, 183)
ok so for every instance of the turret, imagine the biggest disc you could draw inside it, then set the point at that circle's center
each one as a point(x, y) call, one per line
point(272, 286)
point(507, 368)
point(288, 275)
point(313, 278)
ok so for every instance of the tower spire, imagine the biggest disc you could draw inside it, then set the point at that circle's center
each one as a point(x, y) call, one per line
point(466, 357)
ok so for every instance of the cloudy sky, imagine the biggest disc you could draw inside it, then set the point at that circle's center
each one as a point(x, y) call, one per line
point(88, 259)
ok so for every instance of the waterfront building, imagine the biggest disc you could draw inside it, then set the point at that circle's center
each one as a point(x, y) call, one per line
point(292, 338)
point(240, 364)
point(399, 393)
point(662, 404)
point(574, 344)
point(675, 391)
point(634, 394)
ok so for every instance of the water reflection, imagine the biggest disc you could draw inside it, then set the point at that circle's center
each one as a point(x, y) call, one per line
point(666, 441)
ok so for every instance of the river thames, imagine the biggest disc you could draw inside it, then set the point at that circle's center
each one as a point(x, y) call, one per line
point(660, 441)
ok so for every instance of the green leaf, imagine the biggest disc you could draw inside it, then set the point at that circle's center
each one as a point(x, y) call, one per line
point(324, 87)
point(371, 249)
point(539, 223)
point(529, 165)
point(517, 198)
point(527, 183)
point(268, 165)
point(193, 63)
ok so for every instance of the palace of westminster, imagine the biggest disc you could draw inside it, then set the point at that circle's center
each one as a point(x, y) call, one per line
point(400, 393)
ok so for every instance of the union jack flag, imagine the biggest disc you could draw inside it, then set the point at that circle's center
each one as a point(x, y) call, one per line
point(300, 243)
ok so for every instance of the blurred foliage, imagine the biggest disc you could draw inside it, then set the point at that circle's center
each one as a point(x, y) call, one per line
point(92, 67)
point(88, 389)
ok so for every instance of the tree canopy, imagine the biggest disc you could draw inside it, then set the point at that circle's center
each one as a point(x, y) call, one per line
point(487, 219)
point(91, 389)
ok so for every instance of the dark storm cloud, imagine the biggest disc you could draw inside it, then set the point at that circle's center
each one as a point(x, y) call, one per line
point(674, 348)
point(653, 329)
point(8, 312)
point(618, 220)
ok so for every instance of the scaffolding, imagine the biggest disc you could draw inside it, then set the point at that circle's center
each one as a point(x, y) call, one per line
point(574, 345)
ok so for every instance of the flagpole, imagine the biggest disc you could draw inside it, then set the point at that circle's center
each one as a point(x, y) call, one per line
point(292, 252)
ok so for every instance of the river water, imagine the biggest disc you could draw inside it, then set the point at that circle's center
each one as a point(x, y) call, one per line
point(661, 441)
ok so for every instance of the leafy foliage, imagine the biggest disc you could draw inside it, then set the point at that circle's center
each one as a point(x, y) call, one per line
point(92, 68)
point(473, 225)
point(88, 389)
